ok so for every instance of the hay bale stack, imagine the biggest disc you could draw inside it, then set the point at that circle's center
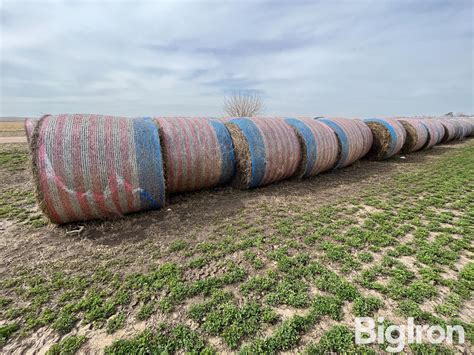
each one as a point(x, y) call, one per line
point(435, 132)
point(389, 137)
point(354, 139)
point(416, 137)
point(92, 166)
point(266, 150)
point(449, 130)
point(197, 153)
point(319, 146)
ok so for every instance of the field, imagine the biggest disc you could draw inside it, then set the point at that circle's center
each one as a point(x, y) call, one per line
point(284, 268)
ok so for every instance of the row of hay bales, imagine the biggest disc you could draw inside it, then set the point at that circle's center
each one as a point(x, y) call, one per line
point(97, 167)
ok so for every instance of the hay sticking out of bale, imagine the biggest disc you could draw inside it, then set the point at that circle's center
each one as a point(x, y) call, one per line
point(389, 137)
point(198, 153)
point(354, 139)
point(416, 137)
point(95, 167)
point(266, 150)
point(30, 124)
point(319, 146)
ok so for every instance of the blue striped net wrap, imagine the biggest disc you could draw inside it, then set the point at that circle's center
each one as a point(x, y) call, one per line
point(319, 146)
point(354, 139)
point(389, 137)
point(198, 153)
point(96, 167)
point(416, 137)
point(266, 150)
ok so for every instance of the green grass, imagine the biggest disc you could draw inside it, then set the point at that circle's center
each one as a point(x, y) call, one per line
point(67, 346)
point(265, 279)
point(13, 159)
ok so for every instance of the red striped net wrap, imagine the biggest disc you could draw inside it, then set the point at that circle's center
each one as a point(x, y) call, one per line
point(467, 127)
point(354, 138)
point(96, 167)
point(272, 150)
point(449, 129)
point(197, 152)
point(319, 146)
point(435, 132)
point(30, 124)
point(389, 137)
point(417, 134)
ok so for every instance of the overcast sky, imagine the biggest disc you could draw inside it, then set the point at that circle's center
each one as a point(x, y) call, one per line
point(168, 58)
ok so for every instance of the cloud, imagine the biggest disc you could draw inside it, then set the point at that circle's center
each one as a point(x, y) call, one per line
point(353, 58)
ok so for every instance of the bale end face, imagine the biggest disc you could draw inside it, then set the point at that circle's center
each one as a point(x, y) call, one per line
point(388, 138)
point(381, 145)
point(266, 150)
point(243, 158)
point(416, 135)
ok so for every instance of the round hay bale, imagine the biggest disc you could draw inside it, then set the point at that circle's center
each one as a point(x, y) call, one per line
point(416, 137)
point(354, 139)
point(197, 153)
point(467, 127)
point(266, 150)
point(449, 130)
point(458, 129)
point(30, 124)
point(389, 137)
point(319, 146)
point(435, 132)
point(96, 167)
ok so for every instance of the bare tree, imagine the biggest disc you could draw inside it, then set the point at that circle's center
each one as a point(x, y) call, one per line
point(243, 104)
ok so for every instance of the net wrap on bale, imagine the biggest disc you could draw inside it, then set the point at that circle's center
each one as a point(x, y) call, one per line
point(467, 127)
point(198, 153)
point(449, 130)
point(416, 135)
point(354, 139)
point(319, 146)
point(30, 125)
point(266, 150)
point(435, 132)
point(389, 137)
point(96, 167)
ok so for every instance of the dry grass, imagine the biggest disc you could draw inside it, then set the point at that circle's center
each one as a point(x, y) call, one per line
point(12, 126)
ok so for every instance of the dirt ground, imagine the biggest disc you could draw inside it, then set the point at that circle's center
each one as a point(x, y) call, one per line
point(144, 241)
